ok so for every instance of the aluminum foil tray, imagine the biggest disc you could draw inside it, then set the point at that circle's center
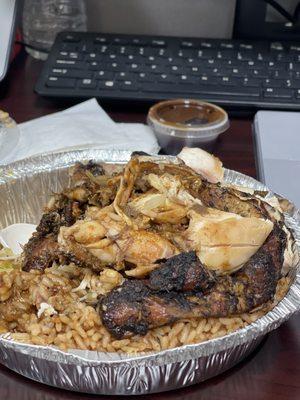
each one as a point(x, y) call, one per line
point(24, 189)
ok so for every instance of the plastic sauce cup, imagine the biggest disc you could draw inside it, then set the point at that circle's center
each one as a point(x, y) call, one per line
point(182, 122)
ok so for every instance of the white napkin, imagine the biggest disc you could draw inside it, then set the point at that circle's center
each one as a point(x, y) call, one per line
point(83, 125)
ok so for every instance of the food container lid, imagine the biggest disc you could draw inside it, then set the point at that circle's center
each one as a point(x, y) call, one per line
point(188, 118)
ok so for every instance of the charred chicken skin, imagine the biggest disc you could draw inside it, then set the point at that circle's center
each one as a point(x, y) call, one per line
point(173, 293)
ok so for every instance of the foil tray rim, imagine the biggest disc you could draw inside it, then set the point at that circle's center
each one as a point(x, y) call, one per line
point(287, 306)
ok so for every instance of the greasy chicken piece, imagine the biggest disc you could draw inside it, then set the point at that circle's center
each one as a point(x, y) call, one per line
point(146, 165)
point(253, 285)
point(227, 199)
point(40, 252)
point(135, 308)
point(79, 172)
point(42, 248)
point(111, 241)
point(182, 273)
point(225, 241)
point(157, 207)
point(62, 211)
point(90, 185)
point(210, 194)
point(205, 164)
point(142, 247)
point(80, 256)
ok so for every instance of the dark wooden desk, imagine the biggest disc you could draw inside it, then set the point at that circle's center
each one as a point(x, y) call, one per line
point(271, 372)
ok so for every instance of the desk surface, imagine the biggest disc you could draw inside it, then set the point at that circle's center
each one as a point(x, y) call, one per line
point(271, 372)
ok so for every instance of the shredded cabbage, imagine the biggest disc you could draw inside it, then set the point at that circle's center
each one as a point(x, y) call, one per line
point(7, 259)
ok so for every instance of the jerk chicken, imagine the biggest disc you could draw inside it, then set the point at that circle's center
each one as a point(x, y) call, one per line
point(173, 293)
point(186, 246)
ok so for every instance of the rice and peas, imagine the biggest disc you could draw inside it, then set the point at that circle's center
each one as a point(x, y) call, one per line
point(58, 307)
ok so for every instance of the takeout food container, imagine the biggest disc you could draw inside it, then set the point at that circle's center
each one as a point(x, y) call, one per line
point(24, 190)
point(184, 122)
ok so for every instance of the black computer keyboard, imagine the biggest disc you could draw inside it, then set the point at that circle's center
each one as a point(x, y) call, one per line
point(148, 68)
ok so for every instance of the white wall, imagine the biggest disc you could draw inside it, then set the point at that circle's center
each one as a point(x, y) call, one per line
point(202, 18)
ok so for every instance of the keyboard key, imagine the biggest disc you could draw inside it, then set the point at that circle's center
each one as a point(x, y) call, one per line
point(188, 44)
point(54, 81)
point(294, 48)
point(95, 65)
point(135, 59)
point(120, 41)
point(65, 46)
point(91, 57)
point(293, 67)
point(227, 45)
point(208, 80)
point(228, 90)
point(246, 46)
point(264, 57)
point(282, 83)
point(278, 93)
point(284, 57)
point(70, 64)
point(282, 74)
point(146, 77)
point(125, 76)
point(128, 86)
point(276, 46)
point(230, 81)
point(256, 73)
point(292, 83)
point(70, 55)
point(163, 87)
point(100, 40)
point(207, 44)
point(202, 89)
point(225, 55)
point(139, 42)
point(245, 56)
point(184, 53)
point(154, 68)
point(155, 60)
point(252, 82)
point(102, 50)
point(105, 75)
point(258, 65)
point(108, 85)
point(176, 69)
point(87, 84)
point(274, 83)
point(238, 72)
point(116, 67)
point(205, 54)
point(158, 43)
point(71, 73)
point(134, 67)
point(71, 38)
point(166, 78)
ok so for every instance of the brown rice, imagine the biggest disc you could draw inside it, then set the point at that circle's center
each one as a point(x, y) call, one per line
point(76, 324)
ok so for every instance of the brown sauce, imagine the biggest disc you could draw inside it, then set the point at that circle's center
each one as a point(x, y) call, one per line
point(187, 113)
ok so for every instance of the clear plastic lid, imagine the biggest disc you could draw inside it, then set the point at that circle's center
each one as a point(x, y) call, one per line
point(9, 135)
point(188, 118)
